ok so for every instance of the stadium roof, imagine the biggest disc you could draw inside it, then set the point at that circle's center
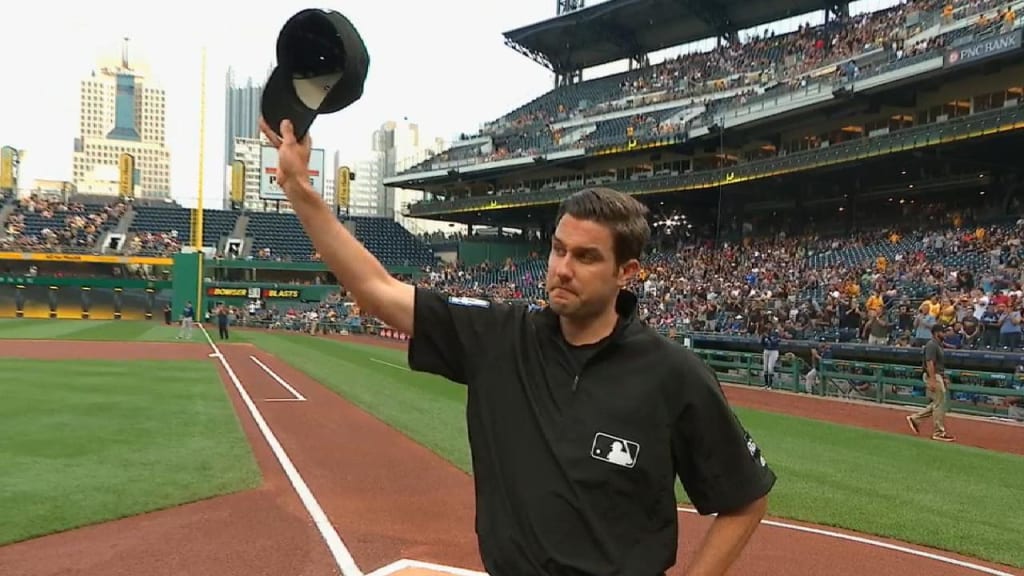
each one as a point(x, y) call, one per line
point(620, 29)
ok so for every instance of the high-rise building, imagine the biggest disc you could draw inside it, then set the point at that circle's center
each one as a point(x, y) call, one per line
point(365, 194)
point(397, 147)
point(241, 112)
point(248, 151)
point(122, 110)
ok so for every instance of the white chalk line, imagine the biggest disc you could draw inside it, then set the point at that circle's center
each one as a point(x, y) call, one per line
point(405, 564)
point(342, 557)
point(296, 397)
point(399, 366)
point(875, 543)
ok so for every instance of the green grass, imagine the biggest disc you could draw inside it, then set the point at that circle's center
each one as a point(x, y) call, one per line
point(85, 442)
point(93, 330)
point(944, 496)
point(112, 442)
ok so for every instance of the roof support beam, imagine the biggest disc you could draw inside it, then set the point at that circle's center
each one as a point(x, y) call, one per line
point(535, 56)
point(568, 78)
point(566, 6)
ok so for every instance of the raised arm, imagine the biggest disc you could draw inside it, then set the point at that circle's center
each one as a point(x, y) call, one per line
point(357, 270)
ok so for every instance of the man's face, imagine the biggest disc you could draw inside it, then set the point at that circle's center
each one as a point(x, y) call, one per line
point(583, 279)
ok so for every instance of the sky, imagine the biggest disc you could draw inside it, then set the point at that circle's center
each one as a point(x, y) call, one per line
point(441, 64)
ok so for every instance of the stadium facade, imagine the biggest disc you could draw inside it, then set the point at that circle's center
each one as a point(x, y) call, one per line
point(122, 110)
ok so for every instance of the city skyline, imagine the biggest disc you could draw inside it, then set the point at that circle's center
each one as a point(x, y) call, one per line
point(405, 60)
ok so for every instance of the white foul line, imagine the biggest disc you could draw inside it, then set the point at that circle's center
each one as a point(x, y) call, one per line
point(403, 564)
point(297, 397)
point(876, 543)
point(399, 366)
point(341, 555)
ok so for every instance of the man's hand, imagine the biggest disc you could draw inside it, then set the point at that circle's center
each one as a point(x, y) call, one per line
point(358, 270)
point(292, 157)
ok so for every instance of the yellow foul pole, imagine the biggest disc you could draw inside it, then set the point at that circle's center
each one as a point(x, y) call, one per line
point(197, 230)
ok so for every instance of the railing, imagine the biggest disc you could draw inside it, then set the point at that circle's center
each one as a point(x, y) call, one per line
point(978, 393)
point(988, 122)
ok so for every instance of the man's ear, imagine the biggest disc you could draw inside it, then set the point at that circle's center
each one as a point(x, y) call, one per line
point(628, 271)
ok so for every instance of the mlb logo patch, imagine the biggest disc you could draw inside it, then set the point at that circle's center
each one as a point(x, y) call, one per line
point(615, 450)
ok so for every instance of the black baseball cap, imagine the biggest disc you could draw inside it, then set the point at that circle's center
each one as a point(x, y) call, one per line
point(321, 67)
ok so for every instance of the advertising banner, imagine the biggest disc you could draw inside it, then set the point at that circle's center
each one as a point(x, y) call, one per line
point(983, 49)
point(269, 190)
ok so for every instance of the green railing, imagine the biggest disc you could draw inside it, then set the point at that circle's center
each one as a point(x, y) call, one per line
point(992, 394)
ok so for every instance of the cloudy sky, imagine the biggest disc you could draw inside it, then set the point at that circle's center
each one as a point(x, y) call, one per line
point(441, 64)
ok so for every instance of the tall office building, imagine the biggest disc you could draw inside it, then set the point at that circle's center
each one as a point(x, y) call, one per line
point(241, 112)
point(396, 147)
point(366, 190)
point(122, 110)
point(248, 151)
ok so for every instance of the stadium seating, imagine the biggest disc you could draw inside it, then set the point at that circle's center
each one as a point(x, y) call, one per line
point(824, 266)
point(727, 77)
point(164, 228)
point(282, 236)
point(391, 242)
point(35, 223)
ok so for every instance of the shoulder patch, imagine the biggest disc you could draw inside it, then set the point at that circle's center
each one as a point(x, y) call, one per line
point(464, 301)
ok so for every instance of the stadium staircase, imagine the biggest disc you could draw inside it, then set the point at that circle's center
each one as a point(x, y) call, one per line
point(240, 232)
point(126, 221)
point(7, 210)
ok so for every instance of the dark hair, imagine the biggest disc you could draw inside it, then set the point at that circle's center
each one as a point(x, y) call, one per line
point(624, 215)
point(938, 328)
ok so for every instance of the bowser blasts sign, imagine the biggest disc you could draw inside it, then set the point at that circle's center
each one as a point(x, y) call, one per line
point(269, 190)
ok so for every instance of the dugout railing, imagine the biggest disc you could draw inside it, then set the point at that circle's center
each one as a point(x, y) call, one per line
point(978, 393)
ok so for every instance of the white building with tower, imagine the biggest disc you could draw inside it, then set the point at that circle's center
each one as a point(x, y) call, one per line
point(122, 110)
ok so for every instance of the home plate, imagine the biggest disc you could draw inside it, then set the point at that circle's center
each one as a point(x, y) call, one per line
point(417, 568)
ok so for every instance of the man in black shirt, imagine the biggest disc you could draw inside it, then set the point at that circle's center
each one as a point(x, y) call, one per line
point(580, 416)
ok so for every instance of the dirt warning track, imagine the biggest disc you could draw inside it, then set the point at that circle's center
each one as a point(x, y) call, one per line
point(345, 493)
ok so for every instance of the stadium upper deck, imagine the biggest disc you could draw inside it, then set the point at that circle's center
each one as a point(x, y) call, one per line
point(773, 96)
point(624, 29)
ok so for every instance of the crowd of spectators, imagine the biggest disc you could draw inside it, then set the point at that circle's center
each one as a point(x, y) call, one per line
point(39, 223)
point(154, 244)
point(966, 277)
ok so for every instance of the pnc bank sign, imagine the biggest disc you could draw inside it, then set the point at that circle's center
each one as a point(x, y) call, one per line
point(983, 49)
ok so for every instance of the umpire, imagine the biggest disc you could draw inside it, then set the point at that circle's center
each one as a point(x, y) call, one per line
point(580, 416)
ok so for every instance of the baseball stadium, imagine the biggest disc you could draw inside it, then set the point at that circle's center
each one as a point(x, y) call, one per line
point(844, 187)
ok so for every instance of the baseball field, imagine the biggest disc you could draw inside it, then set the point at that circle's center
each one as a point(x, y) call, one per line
point(126, 451)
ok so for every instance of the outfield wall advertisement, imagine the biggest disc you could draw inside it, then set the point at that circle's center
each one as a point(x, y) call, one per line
point(93, 299)
point(269, 190)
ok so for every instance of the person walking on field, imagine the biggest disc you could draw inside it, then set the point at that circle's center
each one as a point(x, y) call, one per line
point(937, 386)
point(580, 416)
point(222, 321)
point(188, 317)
